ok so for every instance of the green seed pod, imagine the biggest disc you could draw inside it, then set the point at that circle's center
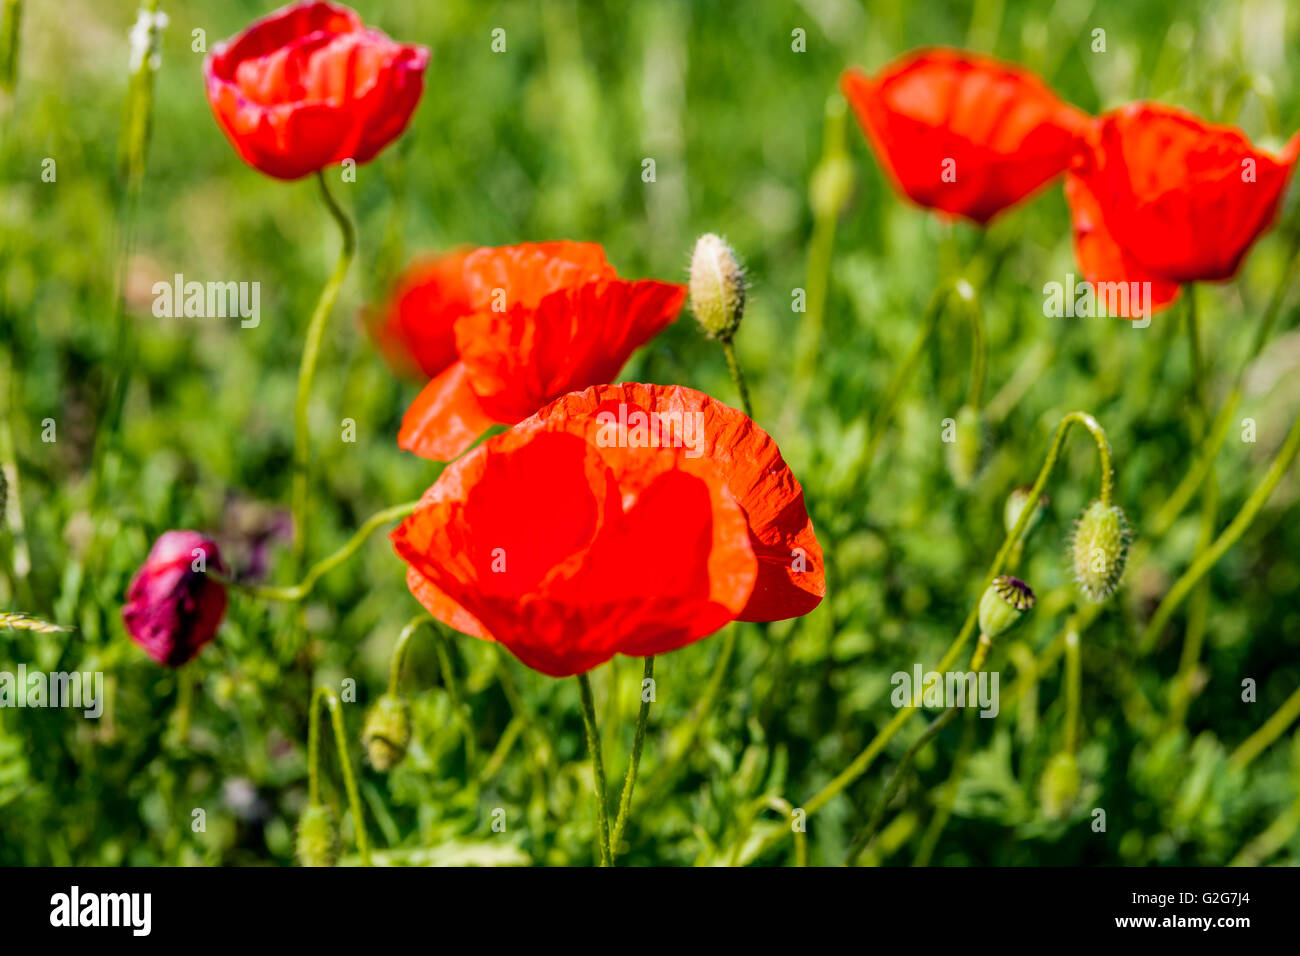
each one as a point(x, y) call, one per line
point(1059, 785)
point(966, 449)
point(1004, 603)
point(717, 287)
point(387, 732)
point(1016, 502)
point(1099, 549)
point(318, 837)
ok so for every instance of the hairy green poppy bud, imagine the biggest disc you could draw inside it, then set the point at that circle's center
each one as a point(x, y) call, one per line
point(1099, 549)
point(1059, 785)
point(387, 732)
point(717, 287)
point(1016, 502)
point(967, 447)
point(1004, 602)
point(318, 837)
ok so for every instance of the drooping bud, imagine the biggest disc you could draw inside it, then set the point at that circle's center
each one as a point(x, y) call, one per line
point(387, 732)
point(966, 449)
point(1059, 785)
point(1004, 602)
point(1099, 550)
point(717, 287)
point(1016, 502)
point(318, 837)
point(173, 606)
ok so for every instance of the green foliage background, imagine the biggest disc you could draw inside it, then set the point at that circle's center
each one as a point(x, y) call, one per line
point(547, 140)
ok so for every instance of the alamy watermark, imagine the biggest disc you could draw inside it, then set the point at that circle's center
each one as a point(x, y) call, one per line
point(950, 689)
point(59, 689)
point(1079, 298)
point(640, 429)
point(208, 300)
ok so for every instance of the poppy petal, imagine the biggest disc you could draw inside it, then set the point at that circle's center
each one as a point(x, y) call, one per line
point(791, 575)
point(446, 417)
point(576, 337)
point(1117, 278)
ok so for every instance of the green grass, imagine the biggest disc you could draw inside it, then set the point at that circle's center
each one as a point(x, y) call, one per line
point(547, 140)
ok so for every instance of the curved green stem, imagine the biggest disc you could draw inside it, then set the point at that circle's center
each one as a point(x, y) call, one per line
point(1229, 536)
point(296, 592)
point(399, 651)
point(307, 369)
point(1258, 742)
point(638, 740)
point(345, 764)
point(886, 733)
point(896, 780)
point(598, 769)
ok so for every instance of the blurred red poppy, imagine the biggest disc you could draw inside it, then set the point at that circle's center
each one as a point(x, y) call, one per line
point(1159, 195)
point(527, 324)
point(625, 519)
point(962, 133)
point(310, 86)
point(173, 607)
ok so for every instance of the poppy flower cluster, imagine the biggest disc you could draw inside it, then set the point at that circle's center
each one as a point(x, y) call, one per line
point(623, 519)
point(1156, 195)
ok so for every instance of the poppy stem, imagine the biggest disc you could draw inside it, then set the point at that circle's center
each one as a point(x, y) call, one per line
point(625, 798)
point(1273, 728)
point(885, 734)
point(307, 370)
point(1226, 539)
point(297, 592)
point(947, 290)
point(598, 768)
point(864, 838)
point(399, 652)
point(331, 701)
point(1191, 480)
point(737, 376)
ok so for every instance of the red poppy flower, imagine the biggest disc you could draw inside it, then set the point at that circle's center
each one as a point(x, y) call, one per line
point(1159, 195)
point(625, 519)
point(962, 133)
point(173, 607)
point(528, 323)
point(310, 86)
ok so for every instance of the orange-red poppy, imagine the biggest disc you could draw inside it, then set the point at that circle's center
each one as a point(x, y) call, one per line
point(1159, 195)
point(961, 133)
point(523, 325)
point(624, 519)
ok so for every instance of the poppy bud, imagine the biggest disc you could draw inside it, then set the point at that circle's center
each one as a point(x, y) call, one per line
point(1099, 549)
point(318, 837)
point(717, 287)
point(1059, 785)
point(1004, 602)
point(967, 447)
point(387, 732)
point(173, 607)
